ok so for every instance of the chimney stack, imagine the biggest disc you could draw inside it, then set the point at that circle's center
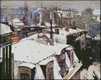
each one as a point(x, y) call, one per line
point(51, 28)
point(40, 17)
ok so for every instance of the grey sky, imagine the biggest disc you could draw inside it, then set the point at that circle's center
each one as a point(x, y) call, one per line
point(80, 5)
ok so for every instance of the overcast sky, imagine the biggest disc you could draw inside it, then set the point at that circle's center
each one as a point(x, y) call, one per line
point(79, 5)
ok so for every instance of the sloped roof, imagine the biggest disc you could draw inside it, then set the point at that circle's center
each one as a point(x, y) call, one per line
point(17, 21)
point(31, 51)
point(4, 29)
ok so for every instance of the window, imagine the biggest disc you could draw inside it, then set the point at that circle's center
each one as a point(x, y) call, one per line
point(25, 73)
point(24, 76)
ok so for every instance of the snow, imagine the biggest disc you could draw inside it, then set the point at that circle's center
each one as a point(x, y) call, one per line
point(44, 62)
point(27, 65)
point(48, 24)
point(71, 31)
point(17, 22)
point(61, 38)
point(30, 51)
point(58, 47)
point(4, 29)
point(39, 73)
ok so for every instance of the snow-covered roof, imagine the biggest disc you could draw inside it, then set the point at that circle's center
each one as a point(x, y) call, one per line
point(70, 31)
point(31, 51)
point(4, 29)
point(17, 21)
point(48, 24)
point(27, 65)
point(61, 38)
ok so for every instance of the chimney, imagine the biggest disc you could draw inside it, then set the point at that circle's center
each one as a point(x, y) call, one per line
point(74, 25)
point(15, 38)
point(52, 14)
point(53, 18)
point(51, 29)
point(40, 18)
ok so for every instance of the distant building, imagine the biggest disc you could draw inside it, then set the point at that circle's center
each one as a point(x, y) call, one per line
point(97, 14)
point(17, 24)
